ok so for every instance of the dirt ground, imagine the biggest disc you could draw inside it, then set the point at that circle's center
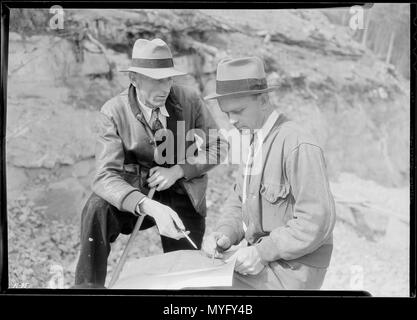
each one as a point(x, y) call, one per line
point(357, 263)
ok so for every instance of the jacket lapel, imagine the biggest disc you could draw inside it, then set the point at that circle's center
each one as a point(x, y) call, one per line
point(175, 114)
point(134, 106)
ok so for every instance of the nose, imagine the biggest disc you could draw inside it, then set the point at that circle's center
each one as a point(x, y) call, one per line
point(232, 120)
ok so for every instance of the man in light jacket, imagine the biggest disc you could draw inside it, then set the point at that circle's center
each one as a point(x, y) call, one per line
point(281, 203)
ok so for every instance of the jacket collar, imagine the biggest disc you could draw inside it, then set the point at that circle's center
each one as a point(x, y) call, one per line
point(172, 106)
point(274, 121)
point(174, 110)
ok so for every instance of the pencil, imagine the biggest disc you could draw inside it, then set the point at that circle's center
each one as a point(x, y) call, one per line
point(189, 239)
point(214, 255)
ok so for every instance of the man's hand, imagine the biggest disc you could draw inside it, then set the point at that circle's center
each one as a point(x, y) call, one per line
point(166, 219)
point(248, 261)
point(164, 178)
point(216, 242)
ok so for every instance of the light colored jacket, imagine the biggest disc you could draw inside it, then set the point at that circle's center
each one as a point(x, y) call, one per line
point(289, 211)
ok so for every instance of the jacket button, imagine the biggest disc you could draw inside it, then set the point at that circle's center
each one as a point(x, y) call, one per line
point(150, 141)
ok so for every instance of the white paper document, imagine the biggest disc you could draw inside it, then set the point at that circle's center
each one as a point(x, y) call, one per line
point(176, 270)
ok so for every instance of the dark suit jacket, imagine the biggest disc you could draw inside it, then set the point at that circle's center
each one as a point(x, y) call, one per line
point(124, 143)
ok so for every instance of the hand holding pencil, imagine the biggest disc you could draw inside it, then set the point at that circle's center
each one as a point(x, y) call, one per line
point(215, 243)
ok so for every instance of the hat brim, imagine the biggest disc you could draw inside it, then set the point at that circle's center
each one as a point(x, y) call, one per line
point(155, 73)
point(239, 93)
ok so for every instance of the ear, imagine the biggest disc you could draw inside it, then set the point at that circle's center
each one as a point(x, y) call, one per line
point(133, 78)
point(263, 100)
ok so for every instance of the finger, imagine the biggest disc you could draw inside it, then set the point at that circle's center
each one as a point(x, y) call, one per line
point(219, 255)
point(223, 241)
point(156, 182)
point(178, 236)
point(177, 220)
point(168, 184)
point(153, 176)
point(152, 170)
point(171, 232)
point(232, 257)
point(242, 268)
point(256, 269)
point(206, 249)
point(162, 185)
point(209, 245)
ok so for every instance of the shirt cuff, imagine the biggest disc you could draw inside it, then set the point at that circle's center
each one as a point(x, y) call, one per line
point(138, 211)
point(131, 201)
point(190, 171)
point(267, 249)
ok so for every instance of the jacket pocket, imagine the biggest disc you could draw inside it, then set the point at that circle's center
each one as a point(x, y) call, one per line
point(275, 205)
point(274, 193)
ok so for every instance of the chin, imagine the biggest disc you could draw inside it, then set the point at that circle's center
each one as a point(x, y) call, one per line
point(242, 129)
point(159, 102)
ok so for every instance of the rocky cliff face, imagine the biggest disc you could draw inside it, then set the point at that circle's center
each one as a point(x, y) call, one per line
point(356, 105)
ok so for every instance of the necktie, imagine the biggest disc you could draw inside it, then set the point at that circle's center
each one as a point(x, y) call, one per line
point(156, 124)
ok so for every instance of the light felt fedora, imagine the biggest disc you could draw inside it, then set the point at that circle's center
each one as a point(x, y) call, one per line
point(153, 58)
point(240, 77)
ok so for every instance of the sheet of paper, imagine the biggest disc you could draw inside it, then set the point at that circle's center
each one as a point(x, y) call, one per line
point(176, 270)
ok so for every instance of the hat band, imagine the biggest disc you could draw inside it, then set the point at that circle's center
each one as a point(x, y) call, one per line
point(152, 63)
point(231, 86)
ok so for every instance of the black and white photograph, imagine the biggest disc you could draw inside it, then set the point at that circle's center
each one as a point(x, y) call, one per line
point(209, 149)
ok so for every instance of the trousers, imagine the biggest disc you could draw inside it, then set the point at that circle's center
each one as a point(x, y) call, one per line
point(102, 223)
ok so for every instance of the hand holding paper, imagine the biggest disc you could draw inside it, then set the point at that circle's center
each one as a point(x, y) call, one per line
point(248, 261)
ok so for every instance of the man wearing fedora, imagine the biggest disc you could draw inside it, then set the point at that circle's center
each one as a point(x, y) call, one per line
point(129, 162)
point(281, 203)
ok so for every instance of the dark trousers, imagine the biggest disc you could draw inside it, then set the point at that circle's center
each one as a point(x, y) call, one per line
point(101, 224)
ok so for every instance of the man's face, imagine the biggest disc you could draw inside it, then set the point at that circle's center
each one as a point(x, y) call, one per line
point(243, 111)
point(153, 93)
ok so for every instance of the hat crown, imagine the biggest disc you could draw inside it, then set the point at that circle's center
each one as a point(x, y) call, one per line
point(240, 69)
point(151, 49)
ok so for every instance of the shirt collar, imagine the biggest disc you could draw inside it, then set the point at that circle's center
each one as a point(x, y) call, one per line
point(267, 127)
point(148, 111)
